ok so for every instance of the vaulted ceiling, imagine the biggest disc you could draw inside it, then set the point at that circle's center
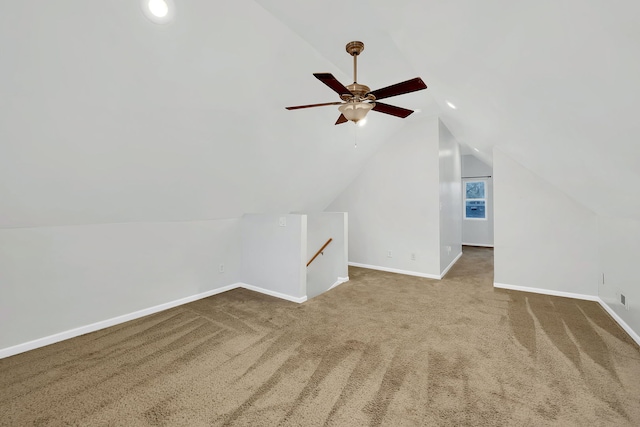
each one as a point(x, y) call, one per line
point(107, 117)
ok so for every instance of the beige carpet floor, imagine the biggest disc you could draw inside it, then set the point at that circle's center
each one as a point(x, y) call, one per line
point(381, 349)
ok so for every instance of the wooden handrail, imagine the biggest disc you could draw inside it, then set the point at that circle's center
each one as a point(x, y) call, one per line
point(320, 251)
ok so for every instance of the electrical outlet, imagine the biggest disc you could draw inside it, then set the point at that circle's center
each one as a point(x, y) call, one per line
point(389, 254)
point(221, 268)
point(283, 221)
point(413, 256)
point(624, 301)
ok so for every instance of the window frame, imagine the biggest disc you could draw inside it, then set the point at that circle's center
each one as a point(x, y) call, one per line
point(484, 199)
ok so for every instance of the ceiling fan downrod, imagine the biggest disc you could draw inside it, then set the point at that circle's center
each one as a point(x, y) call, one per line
point(354, 49)
point(358, 92)
point(355, 68)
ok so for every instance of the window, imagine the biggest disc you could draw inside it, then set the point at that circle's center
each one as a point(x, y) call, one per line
point(475, 200)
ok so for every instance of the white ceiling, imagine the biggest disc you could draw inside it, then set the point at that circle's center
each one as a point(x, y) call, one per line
point(107, 117)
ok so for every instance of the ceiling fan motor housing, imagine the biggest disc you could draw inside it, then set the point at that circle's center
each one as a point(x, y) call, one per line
point(357, 91)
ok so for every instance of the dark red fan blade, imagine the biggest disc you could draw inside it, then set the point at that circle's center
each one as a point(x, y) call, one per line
point(333, 83)
point(341, 119)
point(399, 88)
point(297, 107)
point(392, 109)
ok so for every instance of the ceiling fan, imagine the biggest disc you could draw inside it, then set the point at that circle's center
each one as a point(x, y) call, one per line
point(358, 99)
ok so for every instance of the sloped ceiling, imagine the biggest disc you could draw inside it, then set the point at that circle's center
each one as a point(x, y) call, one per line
point(107, 117)
point(553, 84)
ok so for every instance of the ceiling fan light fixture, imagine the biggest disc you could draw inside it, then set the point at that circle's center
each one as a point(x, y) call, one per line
point(356, 111)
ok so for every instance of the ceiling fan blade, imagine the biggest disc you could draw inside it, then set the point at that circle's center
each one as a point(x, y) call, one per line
point(297, 107)
point(333, 83)
point(341, 119)
point(399, 88)
point(392, 109)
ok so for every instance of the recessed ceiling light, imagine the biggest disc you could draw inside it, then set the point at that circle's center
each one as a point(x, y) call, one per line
point(158, 11)
point(451, 105)
point(158, 8)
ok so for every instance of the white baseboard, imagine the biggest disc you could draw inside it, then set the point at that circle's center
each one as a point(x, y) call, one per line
point(340, 281)
point(395, 270)
point(479, 245)
point(273, 293)
point(633, 334)
point(446, 270)
point(52, 339)
point(546, 292)
point(71, 333)
point(407, 272)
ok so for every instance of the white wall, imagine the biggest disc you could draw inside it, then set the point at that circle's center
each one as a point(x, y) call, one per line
point(472, 167)
point(450, 199)
point(54, 279)
point(108, 118)
point(543, 238)
point(331, 266)
point(274, 257)
point(478, 232)
point(619, 248)
point(393, 203)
